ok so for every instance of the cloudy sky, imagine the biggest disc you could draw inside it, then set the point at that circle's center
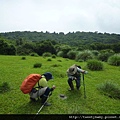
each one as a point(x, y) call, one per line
point(60, 15)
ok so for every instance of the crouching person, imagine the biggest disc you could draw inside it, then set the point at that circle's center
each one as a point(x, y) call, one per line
point(74, 73)
point(42, 91)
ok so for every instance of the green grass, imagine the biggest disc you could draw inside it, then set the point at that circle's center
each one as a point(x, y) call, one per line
point(13, 70)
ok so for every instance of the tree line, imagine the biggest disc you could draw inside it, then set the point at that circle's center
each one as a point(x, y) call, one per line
point(26, 42)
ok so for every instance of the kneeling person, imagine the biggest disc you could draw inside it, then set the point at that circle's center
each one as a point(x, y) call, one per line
point(42, 91)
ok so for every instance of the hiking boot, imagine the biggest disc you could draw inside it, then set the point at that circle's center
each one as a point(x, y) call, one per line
point(32, 99)
point(44, 101)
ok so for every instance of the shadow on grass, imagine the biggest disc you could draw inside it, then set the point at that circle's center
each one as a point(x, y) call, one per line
point(75, 94)
point(75, 99)
point(30, 107)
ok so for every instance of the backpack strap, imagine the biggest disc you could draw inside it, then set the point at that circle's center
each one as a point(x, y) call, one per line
point(39, 87)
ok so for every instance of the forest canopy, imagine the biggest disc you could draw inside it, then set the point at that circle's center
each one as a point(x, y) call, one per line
point(25, 42)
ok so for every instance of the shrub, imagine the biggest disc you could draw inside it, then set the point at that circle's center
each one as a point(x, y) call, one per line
point(53, 56)
point(4, 87)
point(59, 60)
point(37, 65)
point(49, 59)
point(56, 65)
point(95, 52)
point(84, 55)
point(114, 60)
point(34, 54)
point(110, 89)
point(60, 54)
point(64, 49)
point(72, 54)
point(23, 58)
point(105, 54)
point(94, 65)
point(46, 54)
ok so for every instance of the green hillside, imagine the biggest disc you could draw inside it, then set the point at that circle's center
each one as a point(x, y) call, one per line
point(73, 38)
point(13, 70)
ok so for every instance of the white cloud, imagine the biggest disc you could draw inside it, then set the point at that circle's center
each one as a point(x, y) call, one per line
point(60, 15)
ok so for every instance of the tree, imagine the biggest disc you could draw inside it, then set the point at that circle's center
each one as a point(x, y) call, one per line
point(65, 49)
point(7, 49)
point(46, 46)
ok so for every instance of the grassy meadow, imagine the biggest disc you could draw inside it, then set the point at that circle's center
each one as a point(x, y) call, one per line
point(13, 70)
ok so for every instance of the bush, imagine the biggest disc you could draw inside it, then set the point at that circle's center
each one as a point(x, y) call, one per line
point(85, 55)
point(110, 89)
point(60, 54)
point(72, 54)
point(49, 59)
point(59, 60)
point(37, 65)
point(95, 52)
point(105, 54)
point(4, 87)
point(114, 60)
point(23, 58)
point(56, 65)
point(94, 65)
point(53, 56)
point(34, 54)
point(46, 54)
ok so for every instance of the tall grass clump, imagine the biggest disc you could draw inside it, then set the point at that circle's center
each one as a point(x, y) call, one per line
point(37, 65)
point(23, 58)
point(4, 87)
point(49, 59)
point(53, 56)
point(46, 54)
point(95, 65)
point(105, 54)
point(95, 52)
point(110, 89)
point(72, 54)
point(84, 55)
point(34, 54)
point(114, 60)
point(60, 54)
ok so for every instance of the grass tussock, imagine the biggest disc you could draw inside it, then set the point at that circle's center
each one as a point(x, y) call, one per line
point(4, 87)
point(23, 58)
point(114, 60)
point(110, 89)
point(37, 65)
point(95, 65)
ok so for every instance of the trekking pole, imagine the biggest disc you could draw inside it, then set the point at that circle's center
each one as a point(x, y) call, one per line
point(84, 86)
point(42, 106)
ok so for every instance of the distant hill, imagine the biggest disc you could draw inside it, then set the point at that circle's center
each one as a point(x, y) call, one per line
point(74, 38)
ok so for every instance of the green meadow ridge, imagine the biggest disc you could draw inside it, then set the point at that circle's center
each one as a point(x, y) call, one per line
point(13, 70)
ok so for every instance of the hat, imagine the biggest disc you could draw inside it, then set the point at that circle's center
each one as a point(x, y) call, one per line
point(48, 75)
point(72, 70)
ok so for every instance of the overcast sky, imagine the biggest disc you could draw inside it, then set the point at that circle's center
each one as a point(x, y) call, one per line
point(60, 15)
